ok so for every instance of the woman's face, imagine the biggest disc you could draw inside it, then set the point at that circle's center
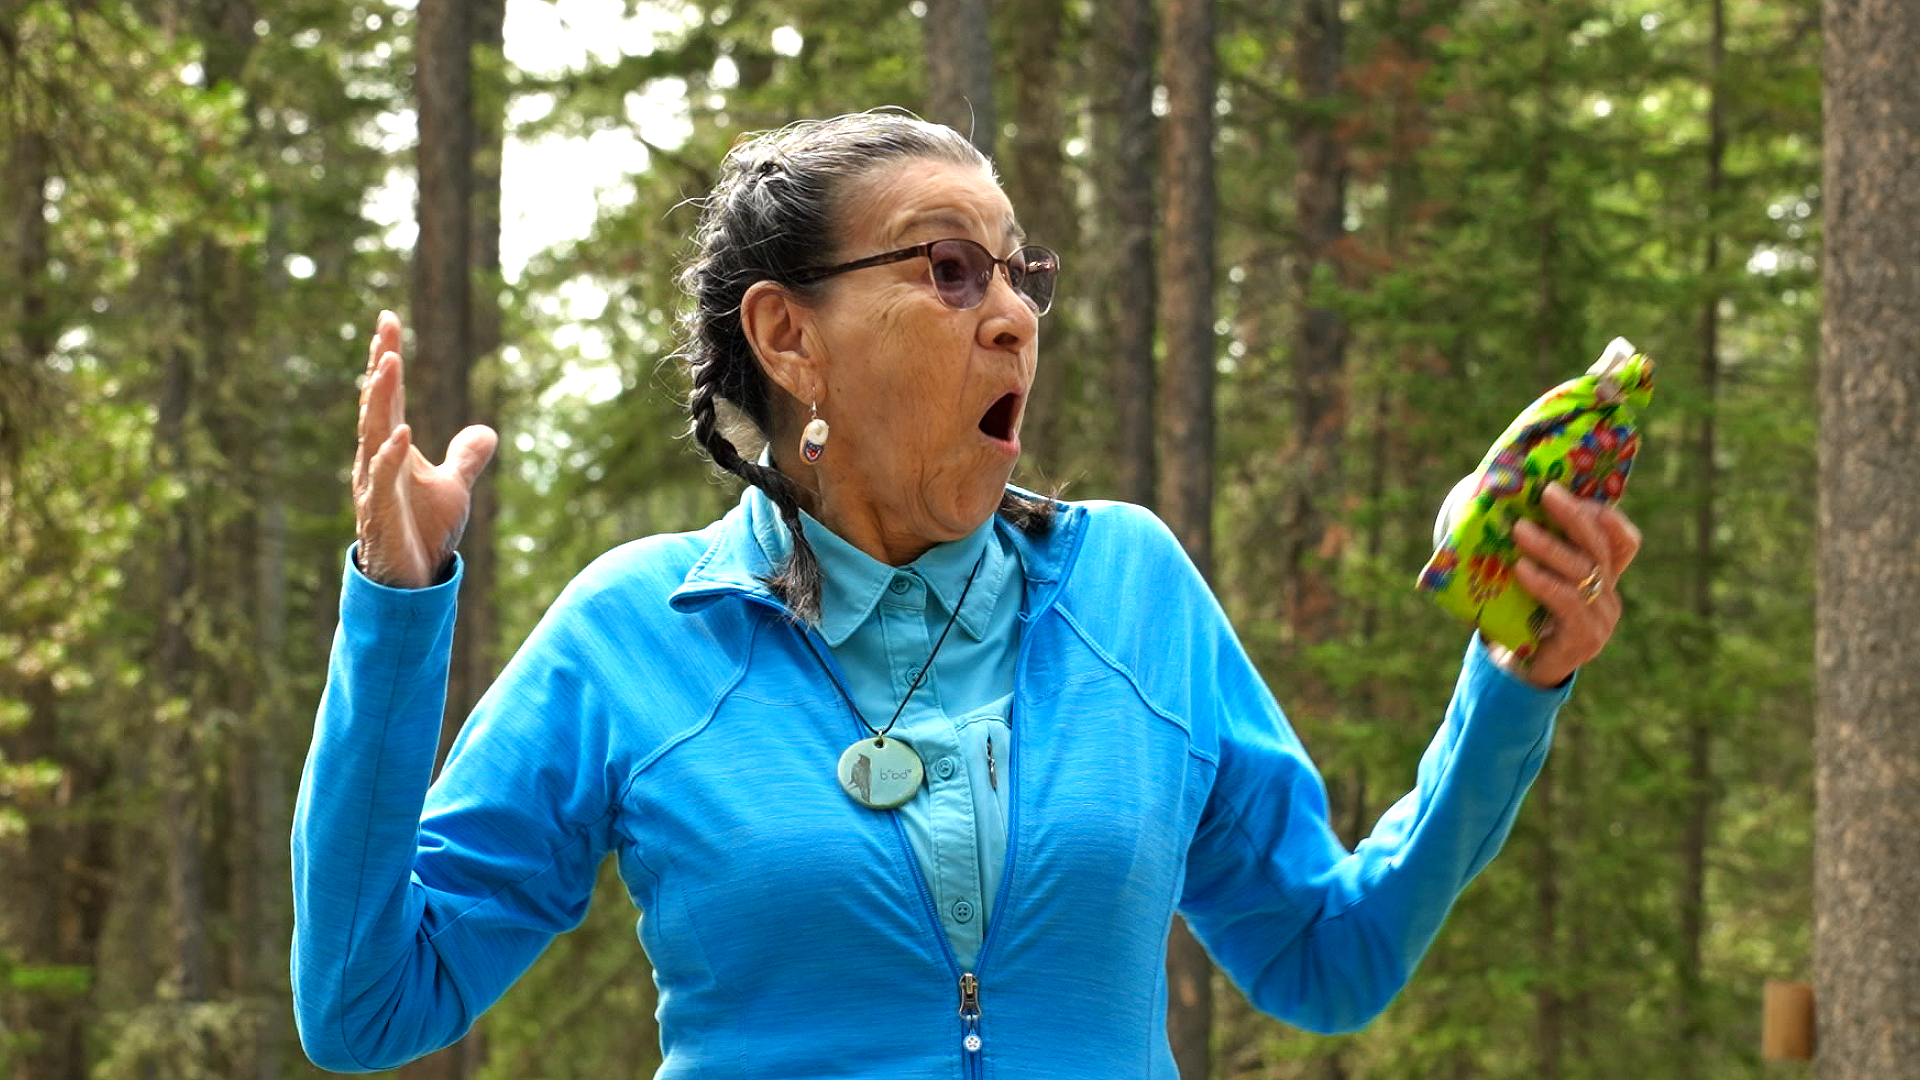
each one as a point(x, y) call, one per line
point(924, 400)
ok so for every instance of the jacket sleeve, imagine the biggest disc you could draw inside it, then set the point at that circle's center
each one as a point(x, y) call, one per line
point(414, 909)
point(1318, 936)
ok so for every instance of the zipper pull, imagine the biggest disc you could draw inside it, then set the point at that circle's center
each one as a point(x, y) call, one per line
point(993, 777)
point(970, 1011)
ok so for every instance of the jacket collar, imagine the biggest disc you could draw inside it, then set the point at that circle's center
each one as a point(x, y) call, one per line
point(736, 562)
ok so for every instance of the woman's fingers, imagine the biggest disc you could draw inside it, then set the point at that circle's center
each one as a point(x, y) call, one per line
point(383, 402)
point(366, 439)
point(1561, 595)
point(386, 494)
point(1550, 552)
point(380, 447)
point(1595, 539)
point(362, 451)
point(1622, 536)
point(386, 336)
point(1579, 522)
point(382, 511)
point(377, 419)
point(387, 463)
point(409, 511)
point(397, 388)
point(1573, 555)
point(1577, 631)
point(469, 453)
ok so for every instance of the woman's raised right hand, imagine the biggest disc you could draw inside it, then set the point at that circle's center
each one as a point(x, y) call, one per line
point(408, 512)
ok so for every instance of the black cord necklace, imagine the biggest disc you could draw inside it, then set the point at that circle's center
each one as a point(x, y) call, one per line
point(884, 773)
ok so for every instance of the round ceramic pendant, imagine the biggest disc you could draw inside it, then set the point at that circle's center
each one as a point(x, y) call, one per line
point(881, 773)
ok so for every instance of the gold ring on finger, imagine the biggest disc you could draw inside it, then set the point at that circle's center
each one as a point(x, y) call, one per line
point(1589, 586)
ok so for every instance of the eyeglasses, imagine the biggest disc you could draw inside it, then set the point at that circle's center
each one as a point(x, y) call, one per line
point(962, 271)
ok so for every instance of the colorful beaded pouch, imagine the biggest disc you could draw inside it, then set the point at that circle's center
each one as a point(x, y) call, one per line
point(1583, 433)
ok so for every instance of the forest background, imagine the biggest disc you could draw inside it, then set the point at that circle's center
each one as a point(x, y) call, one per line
point(1317, 254)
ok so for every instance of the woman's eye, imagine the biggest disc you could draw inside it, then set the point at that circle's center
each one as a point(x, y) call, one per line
point(949, 272)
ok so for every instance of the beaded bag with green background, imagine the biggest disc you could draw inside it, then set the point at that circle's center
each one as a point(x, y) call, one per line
point(1583, 433)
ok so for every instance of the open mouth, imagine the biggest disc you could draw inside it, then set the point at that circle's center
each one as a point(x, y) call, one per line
point(1000, 417)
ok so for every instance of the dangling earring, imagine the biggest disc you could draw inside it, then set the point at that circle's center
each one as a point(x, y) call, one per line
point(813, 440)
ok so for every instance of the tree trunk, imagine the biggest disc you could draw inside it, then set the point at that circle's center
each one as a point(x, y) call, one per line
point(1549, 1005)
point(22, 281)
point(1550, 311)
point(476, 656)
point(1186, 295)
point(1696, 828)
point(262, 918)
point(55, 891)
point(235, 823)
point(1186, 488)
point(440, 360)
point(1867, 836)
point(1320, 334)
point(1035, 170)
point(1388, 455)
point(1127, 65)
point(62, 880)
point(174, 749)
point(1313, 532)
point(440, 371)
point(1548, 330)
point(960, 70)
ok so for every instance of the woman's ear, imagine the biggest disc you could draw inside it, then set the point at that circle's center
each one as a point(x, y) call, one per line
point(775, 325)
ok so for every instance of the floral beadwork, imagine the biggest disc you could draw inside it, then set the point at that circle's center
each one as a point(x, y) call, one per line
point(1487, 575)
point(1600, 458)
point(1440, 568)
point(1504, 476)
point(1582, 433)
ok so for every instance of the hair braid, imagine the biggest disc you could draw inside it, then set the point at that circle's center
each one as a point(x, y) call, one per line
point(797, 583)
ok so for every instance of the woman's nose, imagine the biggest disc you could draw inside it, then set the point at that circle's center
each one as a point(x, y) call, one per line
point(1011, 320)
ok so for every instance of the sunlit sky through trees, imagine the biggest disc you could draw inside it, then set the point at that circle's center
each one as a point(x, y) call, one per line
point(554, 185)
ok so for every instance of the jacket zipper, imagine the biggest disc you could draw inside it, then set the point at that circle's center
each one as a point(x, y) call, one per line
point(970, 1038)
point(971, 1041)
point(970, 1021)
point(969, 982)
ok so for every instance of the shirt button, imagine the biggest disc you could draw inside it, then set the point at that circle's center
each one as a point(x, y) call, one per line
point(962, 911)
point(899, 585)
point(943, 768)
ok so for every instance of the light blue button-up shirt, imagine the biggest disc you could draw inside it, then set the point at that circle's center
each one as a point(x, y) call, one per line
point(881, 623)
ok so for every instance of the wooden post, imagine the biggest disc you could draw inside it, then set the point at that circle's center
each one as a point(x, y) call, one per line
point(1786, 1027)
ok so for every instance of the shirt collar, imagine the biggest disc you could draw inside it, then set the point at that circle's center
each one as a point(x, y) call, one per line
point(733, 562)
point(854, 581)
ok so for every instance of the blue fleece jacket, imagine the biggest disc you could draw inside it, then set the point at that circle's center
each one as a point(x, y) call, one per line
point(668, 712)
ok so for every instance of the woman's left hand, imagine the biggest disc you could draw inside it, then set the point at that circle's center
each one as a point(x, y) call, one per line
point(1574, 577)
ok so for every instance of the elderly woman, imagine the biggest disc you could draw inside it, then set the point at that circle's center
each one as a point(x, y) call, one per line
point(909, 770)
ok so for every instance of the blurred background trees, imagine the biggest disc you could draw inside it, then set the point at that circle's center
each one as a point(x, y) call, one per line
point(1317, 255)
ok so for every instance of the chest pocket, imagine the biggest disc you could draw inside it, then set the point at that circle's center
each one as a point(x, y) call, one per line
point(1107, 799)
point(746, 828)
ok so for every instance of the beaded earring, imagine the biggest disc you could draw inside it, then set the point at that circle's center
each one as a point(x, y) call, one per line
point(813, 440)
